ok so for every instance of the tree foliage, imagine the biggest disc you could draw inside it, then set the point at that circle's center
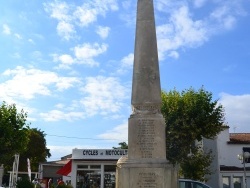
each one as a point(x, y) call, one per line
point(36, 150)
point(197, 165)
point(189, 115)
point(123, 145)
point(13, 134)
point(24, 183)
point(16, 137)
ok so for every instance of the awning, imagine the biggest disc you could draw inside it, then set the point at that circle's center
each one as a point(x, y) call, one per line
point(66, 169)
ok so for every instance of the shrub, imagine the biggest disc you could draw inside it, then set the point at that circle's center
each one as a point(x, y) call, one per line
point(24, 183)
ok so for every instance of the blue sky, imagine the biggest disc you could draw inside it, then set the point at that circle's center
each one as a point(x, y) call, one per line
point(69, 63)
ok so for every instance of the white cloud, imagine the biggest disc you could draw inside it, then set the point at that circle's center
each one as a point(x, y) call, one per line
point(31, 41)
point(60, 11)
point(70, 16)
point(182, 31)
point(126, 63)
point(18, 36)
point(83, 54)
point(105, 5)
point(224, 17)
point(57, 115)
point(60, 106)
point(88, 12)
point(6, 29)
point(65, 60)
point(174, 54)
point(26, 83)
point(86, 52)
point(65, 30)
point(120, 133)
point(85, 15)
point(104, 95)
point(237, 110)
point(103, 32)
point(128, 60)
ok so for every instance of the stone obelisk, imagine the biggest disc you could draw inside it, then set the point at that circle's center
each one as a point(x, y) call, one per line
point(146, 165)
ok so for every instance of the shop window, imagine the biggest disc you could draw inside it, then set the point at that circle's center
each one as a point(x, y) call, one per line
point(88, 179)
point(237, 182)
point(109, 176)
point(82, 166)
point(226, 182)
point(95, 166)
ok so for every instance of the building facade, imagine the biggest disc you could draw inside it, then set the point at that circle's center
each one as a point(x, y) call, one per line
point(85, 168)
point(95, 167)
point(228, 170)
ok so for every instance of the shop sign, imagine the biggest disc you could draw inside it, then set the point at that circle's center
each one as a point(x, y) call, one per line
point(98, 153)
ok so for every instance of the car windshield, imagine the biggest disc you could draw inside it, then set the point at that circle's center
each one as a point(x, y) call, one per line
point(191, 184)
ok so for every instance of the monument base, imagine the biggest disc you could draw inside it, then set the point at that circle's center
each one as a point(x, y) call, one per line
point(146, 173)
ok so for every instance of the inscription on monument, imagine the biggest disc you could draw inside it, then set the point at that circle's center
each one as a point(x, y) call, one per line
point(146, 74)
point(147, 180)
point(146, 137)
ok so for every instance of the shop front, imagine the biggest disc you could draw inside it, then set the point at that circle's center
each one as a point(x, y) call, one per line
point(94, 168)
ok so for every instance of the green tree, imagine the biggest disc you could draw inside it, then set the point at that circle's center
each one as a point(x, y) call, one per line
point(189, 115)
point(36, 150)
point(197, 165)
point(13, 134)
point(123, 145)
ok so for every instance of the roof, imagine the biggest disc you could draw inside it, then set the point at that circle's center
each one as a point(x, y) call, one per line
point(239, 138)
point(56, 163)
point(66, 157)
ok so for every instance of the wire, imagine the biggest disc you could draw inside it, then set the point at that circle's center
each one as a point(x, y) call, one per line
point(79, 137)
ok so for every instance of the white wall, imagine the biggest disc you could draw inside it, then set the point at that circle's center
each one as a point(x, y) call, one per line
point(228, 152)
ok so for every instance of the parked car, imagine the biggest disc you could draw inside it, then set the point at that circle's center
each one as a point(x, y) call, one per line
point(187, 183)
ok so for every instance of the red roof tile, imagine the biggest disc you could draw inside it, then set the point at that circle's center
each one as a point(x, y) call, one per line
point(239, 138)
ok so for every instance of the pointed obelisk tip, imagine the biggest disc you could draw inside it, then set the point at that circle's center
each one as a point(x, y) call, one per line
point(146, 89)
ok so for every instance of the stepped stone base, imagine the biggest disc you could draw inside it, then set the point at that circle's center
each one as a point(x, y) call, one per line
point(145, 173)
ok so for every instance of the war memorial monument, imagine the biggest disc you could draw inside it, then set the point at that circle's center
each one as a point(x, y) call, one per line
point(146, 165)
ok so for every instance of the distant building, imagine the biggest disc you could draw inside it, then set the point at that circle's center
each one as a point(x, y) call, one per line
point(85, 168)
point(228, 169)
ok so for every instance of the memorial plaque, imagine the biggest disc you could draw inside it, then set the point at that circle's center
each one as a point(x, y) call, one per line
point(145, 138)
point(149, 177)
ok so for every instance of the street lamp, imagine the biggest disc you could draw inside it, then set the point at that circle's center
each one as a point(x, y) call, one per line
point(244, 159)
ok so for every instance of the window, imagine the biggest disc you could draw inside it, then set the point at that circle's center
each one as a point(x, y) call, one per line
point(88, 178)
point(185, 184)
point(237, 182)
point(95, 166)
point(82, 166)
point(109, 176)
point(226, 182)
point(182, 184)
